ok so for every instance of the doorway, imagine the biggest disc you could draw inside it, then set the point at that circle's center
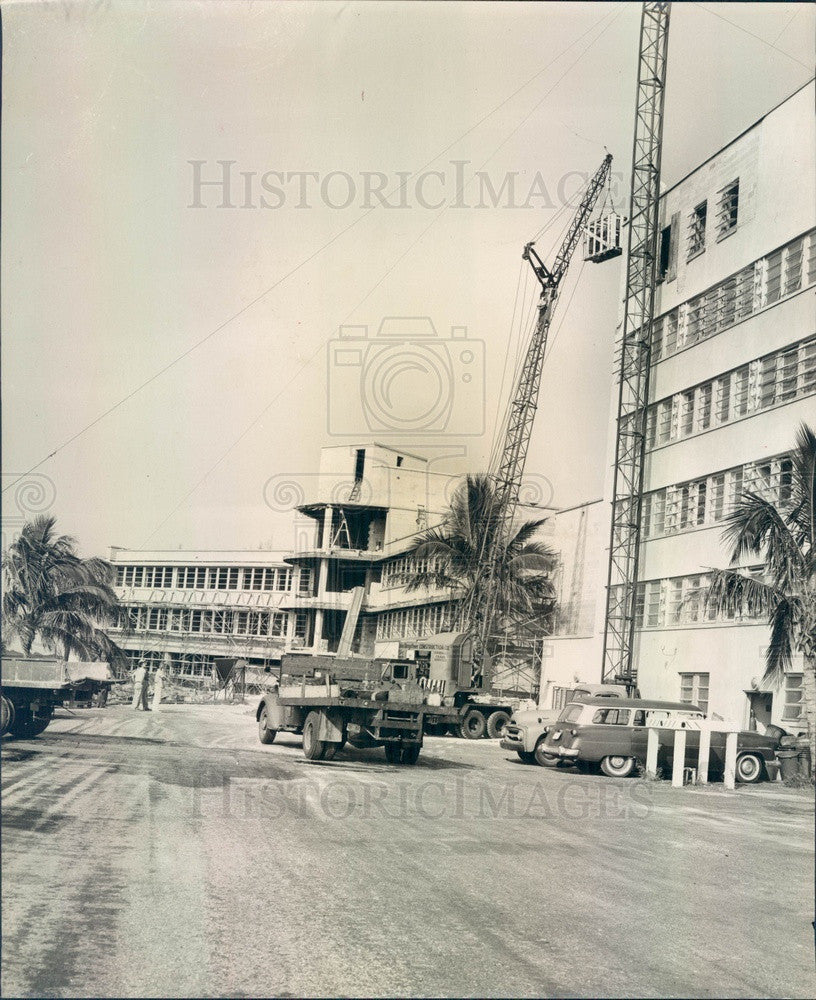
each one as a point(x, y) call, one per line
point(760, 704)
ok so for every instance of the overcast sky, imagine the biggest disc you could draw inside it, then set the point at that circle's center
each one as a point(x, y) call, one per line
point(206, 330)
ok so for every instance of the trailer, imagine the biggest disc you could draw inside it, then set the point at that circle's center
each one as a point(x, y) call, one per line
point(32, 686)
point(334, 700)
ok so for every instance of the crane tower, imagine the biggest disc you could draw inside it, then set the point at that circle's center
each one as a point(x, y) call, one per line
point(633, 397)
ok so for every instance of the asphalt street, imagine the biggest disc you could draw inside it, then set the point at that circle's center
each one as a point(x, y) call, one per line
point(172, 854)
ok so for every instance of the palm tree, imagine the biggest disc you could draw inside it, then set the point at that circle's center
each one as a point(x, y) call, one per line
point(784, 538)
point(51, 594)
point(452, 556)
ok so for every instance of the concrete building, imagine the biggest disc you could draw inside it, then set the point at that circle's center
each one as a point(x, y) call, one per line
point(734, 373)
point(370, 502)
point(189, 608)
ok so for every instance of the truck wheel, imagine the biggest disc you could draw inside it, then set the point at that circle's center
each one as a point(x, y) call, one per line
point(265, 734)
point(393, 753)
point(410, 754)
point(6, 715)
point(526, 758)
point(496, 723)
point(472, 726)
point(313, 748)
point(27, 729)
point(542, 758)
point(332, 749)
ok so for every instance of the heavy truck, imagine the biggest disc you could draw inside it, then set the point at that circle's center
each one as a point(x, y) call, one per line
point(331, 700)
point(32, 686)
point(382, 701)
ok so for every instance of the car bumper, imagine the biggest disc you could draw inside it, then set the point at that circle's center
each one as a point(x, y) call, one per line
point(508, 744)
point(556, 751)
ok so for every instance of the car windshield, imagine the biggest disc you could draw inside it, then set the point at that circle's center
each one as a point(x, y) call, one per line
point(571, 713)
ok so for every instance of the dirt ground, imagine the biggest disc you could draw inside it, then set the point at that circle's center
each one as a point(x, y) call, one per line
point(171, 854)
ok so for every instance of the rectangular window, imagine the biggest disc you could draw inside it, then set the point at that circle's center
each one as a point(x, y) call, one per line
point(745, 292)
point(305, 581)
point(201, 578)
point(807, 373)
point(120, 576)
point(232, 582)
point(670, 332)
point(686, 413)
point(664, 421)
point(657, 340)
point(741, 387)
point(717, 497)
point(665, 253)
point(788, 365)
point(773, 277)
point(138, 573)
point(704, 407)
point(723, 390)
point(675, 602)
point(792, 710)
point(694, 690)
point(793, 267)
point(727, 209)
point(697, 229)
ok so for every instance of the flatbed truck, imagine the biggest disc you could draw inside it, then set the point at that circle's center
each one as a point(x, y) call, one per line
point(332, 700)
point(32, 686)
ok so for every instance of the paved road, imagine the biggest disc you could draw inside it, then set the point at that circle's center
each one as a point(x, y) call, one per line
point(173, 855)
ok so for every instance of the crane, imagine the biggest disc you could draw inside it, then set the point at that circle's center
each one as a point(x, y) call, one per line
point(633, 395)
point(479, 614)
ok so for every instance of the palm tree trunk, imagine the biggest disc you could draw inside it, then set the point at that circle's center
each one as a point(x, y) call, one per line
point(809, 705)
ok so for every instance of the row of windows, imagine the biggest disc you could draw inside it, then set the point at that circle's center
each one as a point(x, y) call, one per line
point(677, 601)
point(412, 622)
point(179, 665)
point(210, 577)
point(725, 220)
point(255, 623)
point(397, 572)
point(756, 286)
point(709, 499)
point(779, 377)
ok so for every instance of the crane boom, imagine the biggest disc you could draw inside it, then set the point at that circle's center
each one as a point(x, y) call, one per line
point(507, 476)
point(523, 407)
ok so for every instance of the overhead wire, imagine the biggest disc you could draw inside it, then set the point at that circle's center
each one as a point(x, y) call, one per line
point(194, 347)
point(321, 346)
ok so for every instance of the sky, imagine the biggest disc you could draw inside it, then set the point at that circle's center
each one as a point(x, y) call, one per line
point(169, 345)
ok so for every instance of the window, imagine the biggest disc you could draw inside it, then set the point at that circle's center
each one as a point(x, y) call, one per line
point(792, 709)
point(611, 717)
point(560, 697)
point(697, 228)
point(305, 581)
point(686, 413)
point(665, 253)
point(728, 209)
point(694, 690)
point(704, 407)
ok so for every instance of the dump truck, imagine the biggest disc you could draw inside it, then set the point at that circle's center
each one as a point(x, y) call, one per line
point(331, 700)
point(32, 686)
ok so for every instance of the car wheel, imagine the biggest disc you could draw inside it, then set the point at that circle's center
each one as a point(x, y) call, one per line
point(473, 726)
point(526, 757)
point(749, 768)
point(496, 724)
point(542, 758)
point(617, 766)
point(265, 734)
point(393, 753)
point(313, 748)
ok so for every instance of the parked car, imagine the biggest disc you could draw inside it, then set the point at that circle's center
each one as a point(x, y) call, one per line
point(593, 733)
point(527, 729)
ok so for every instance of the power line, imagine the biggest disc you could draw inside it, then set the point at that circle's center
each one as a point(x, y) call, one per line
point(759, 38)
point(435, 219)
point(300, 265)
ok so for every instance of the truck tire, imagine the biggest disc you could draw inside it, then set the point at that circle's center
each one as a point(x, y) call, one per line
point(472, 727)
point(6, 716)
point(393, 753)
point(313, 748)
point(332, 749)
point(526, 758)
point(265, 734)
point(27, 729)
point(410, 754)
point(496, 723)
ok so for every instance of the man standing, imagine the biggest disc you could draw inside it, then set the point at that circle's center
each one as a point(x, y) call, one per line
point(139, 675)
point(145, 684)
point(158, 684)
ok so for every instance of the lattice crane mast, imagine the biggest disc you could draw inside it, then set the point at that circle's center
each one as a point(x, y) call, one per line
point(633, 396)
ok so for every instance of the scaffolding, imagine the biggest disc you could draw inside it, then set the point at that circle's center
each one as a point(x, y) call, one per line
point(618, 664)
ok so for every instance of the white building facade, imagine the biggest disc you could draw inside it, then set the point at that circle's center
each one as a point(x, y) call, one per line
point(733, 375)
